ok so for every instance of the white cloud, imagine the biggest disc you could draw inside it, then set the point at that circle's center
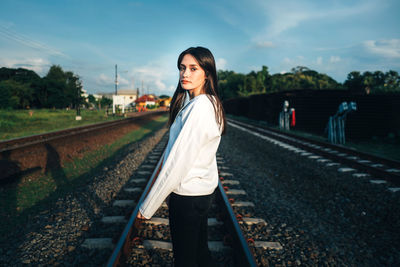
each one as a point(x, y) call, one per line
point(172, 88)
point(157, 76)
point(292, 62)
point(287, 60)
point(385, 48)
point(160, 85)
point(109, 81)
point(221, 63)
point(334, 59)
point(38, 65)
point(319, 63)
point(122, 81)
point(103, 79)
point(281, 16)
point(151, 75)
point(265, 44)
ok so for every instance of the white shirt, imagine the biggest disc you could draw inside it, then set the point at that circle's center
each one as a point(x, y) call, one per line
point(190, 164)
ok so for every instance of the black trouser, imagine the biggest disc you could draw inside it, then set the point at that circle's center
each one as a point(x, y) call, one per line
point(188, 224)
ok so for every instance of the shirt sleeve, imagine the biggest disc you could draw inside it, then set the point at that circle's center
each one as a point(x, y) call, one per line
point(198, 129)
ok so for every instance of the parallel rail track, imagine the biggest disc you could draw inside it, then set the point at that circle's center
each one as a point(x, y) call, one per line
point(374, 165)
point(19, 143)
point(28, 154)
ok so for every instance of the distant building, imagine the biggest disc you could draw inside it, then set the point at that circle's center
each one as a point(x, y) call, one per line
point(128, 96)
point(164, 102)
point(145, 100)
point(86, 95)
point(96, 96)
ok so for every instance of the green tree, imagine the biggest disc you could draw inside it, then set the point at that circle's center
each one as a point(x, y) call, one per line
point(355, 82)
point(14, 94)
point(6, 100)
point(62, 89)
point(20, 75)
point(73, 90)
point(105, 102)
point(392, 81)
point(164, 96)
point(368, 81)
point(376, 82)
point(229, 82)
point(40, 94)
point(262, 80)
point(92, 100)
point(56, 86)
point(249, 84)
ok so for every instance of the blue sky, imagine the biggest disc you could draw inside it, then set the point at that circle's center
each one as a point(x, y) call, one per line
point(145, 37)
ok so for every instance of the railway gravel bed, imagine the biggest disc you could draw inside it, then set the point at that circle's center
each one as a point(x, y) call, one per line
point(53, 237)
point(319, 215)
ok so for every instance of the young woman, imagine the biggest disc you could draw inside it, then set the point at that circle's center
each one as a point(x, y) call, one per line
point(189, 173)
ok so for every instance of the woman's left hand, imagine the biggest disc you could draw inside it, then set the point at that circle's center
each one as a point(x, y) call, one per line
point(140, 216)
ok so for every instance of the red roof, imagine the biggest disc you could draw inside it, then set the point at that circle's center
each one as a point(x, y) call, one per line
point(144, 98)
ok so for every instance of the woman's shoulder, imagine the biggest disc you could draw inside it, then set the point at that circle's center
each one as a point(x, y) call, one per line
point(201, 102)
point(204, 99)
point(204, 105)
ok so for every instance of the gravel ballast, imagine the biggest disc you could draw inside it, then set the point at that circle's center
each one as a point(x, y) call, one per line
point(319, 215)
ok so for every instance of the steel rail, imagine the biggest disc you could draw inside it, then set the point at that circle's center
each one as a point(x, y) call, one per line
point(243, 255)
point(340, 148)
point(18, 143)
point(294, 140)
point(118, 256)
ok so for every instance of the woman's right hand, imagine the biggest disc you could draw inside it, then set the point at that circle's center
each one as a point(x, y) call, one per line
point(140, 216)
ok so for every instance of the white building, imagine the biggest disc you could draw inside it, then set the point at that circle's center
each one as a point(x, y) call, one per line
point(126, 96)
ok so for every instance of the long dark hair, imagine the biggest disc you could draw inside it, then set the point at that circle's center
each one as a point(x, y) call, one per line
point(206, 61)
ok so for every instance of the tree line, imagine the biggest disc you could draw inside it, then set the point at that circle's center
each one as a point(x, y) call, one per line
point(232, 84)
point(21, 88)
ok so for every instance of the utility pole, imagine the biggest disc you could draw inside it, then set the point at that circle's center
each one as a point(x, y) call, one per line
point(116, 80)
point(78, 109)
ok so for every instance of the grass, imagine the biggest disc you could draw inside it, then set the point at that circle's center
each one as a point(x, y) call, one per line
point(30, 195)
point(386, 147)
point(20, 123)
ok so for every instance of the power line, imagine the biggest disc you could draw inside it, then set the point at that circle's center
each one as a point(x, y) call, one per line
point(19, 38)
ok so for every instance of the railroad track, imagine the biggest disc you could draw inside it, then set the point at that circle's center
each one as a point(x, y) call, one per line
point(18, 143)
point(362, 164)
point(233, 230)
point(31, 154)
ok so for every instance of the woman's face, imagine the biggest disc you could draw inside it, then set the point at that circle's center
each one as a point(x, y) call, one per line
point(191, 76)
